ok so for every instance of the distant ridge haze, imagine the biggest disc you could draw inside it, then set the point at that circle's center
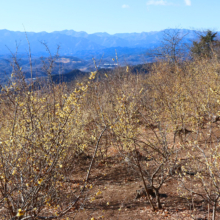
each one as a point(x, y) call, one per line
point(72, 42)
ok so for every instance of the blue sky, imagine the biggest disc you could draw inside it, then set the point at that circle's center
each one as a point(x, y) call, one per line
point(112, 16)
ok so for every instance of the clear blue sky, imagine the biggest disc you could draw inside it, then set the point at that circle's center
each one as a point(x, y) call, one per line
point(112, 16)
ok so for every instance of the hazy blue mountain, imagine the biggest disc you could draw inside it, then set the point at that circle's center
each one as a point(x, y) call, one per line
point(71, 42)
point(72, 33)
point(68, 44)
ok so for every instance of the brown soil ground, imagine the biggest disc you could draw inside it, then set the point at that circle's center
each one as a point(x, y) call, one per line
point(118, 184)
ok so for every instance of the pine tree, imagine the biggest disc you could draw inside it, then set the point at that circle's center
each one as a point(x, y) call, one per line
point(206, 44)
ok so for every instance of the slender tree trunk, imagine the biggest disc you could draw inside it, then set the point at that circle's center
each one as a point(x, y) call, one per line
point(142, 177)
point(158, 199)
point(214, 211)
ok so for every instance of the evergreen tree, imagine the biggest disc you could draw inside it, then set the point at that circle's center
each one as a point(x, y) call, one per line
point(206, 45)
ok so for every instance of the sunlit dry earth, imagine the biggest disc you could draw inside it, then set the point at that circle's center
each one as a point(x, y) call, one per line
point(118, 186)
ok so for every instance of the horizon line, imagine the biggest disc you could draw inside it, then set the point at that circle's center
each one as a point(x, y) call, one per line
point(190, 29)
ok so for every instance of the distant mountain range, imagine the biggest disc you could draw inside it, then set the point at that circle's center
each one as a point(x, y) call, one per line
point(81, 44)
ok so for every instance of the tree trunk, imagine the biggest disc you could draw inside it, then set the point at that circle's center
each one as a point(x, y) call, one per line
point(142, 177)
point(214, 211)
point(158, 199)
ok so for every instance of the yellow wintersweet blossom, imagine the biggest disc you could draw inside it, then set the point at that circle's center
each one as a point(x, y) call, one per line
point(20, 213)
point(99, 192)
point(92, 76)
point(40, 181)
point(92, 199)
point(14, 172)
